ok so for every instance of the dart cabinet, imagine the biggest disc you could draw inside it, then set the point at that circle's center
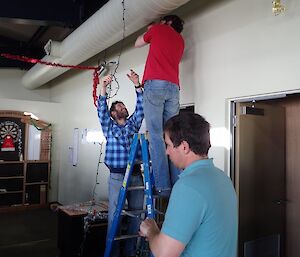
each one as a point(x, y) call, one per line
point(24, 161)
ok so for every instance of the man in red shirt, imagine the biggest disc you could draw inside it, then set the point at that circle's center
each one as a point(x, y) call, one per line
point(161, 95)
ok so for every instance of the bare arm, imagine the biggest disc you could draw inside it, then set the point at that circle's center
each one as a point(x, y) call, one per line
point(137, 117)
point(102, 108)
point(161, 245)
point(140, 42)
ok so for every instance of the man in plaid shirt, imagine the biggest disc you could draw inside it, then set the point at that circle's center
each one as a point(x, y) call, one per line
point(119, 129)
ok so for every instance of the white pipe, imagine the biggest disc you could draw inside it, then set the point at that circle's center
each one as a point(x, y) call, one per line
point(99, 32)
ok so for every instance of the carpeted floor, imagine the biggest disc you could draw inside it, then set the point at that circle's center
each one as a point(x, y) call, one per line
point(30, 233)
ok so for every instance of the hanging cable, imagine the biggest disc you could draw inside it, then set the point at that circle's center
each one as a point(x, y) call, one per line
point(110, 95)
point(97, 172)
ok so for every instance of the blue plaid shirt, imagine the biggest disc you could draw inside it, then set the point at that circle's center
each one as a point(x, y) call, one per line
point(119, 137)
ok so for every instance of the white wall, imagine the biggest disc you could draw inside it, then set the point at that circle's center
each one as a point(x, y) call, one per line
point(12, 88)
point(77, 109)
point(74, 91)
point(48, 112)
point(13, 96)
point(239, 48)
point(234, 48)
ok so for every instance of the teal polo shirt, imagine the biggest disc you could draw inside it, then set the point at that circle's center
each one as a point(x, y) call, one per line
point(202, 212)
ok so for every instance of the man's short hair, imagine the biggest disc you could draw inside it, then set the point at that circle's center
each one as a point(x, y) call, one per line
point(113, 107)
point(177, 23)
point(192, 128)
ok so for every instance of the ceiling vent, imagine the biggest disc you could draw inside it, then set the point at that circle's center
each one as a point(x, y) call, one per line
point(96, 34)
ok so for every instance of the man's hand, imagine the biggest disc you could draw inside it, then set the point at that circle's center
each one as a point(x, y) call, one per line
point(149, 229)
point(104, 82)
point(160, 244)
point(134, 77)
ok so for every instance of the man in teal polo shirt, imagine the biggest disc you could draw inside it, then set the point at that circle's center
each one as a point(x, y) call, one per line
point(201, 218)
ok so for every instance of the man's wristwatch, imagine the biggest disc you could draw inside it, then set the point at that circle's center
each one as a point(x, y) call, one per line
point(138, 86)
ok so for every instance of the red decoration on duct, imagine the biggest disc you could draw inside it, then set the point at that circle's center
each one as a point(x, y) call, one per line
point(53, 64)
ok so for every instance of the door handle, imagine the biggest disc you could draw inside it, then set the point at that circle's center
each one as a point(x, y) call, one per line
point(280, 201)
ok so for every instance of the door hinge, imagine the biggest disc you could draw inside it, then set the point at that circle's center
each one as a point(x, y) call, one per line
point(234, 121)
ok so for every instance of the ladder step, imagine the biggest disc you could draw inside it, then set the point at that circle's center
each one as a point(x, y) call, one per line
point(134, 213)
point(138, 161)
point(141, 162)
point(159, 212)
point(135, 188)
point(156, 196)
point(123, 237)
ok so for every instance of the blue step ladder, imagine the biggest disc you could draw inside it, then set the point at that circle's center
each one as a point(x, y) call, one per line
point(138, 140)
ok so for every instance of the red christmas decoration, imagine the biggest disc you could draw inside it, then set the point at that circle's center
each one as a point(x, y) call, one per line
point(78, 67)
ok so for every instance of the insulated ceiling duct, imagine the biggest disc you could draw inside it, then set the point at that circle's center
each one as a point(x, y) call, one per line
point(99, 32)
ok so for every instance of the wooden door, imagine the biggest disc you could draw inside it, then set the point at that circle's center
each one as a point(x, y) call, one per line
point(260, 179)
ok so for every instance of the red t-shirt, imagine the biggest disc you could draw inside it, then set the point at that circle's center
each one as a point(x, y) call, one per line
point(165, 52)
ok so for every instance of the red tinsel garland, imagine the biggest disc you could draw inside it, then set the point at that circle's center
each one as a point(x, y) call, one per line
point(32, 60)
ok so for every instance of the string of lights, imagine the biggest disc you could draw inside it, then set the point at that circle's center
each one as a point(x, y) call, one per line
point(109, 93)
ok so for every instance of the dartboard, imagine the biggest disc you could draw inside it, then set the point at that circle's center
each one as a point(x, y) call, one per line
point(9, 128)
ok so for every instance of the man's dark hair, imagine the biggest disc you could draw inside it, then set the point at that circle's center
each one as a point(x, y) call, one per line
point(177, 23)
point(192, 128)
point(113, 107)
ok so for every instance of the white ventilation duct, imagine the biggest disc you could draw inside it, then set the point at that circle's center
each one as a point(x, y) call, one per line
point(99, 32)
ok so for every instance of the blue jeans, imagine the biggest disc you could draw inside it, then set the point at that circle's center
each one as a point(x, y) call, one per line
point(161, 102)
point(135, 201)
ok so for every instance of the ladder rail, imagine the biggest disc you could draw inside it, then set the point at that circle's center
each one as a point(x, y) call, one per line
point(148, 182)
point(122, 196)
point(138, 140)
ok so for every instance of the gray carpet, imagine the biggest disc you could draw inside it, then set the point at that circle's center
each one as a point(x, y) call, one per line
point(30, 233)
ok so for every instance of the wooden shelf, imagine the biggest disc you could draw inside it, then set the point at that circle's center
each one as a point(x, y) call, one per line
point(15, 177)
point(37, 161)
point(10, 192)
point(37, 183)
point(24, 183)
point(29, 161)
point(10, 162)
